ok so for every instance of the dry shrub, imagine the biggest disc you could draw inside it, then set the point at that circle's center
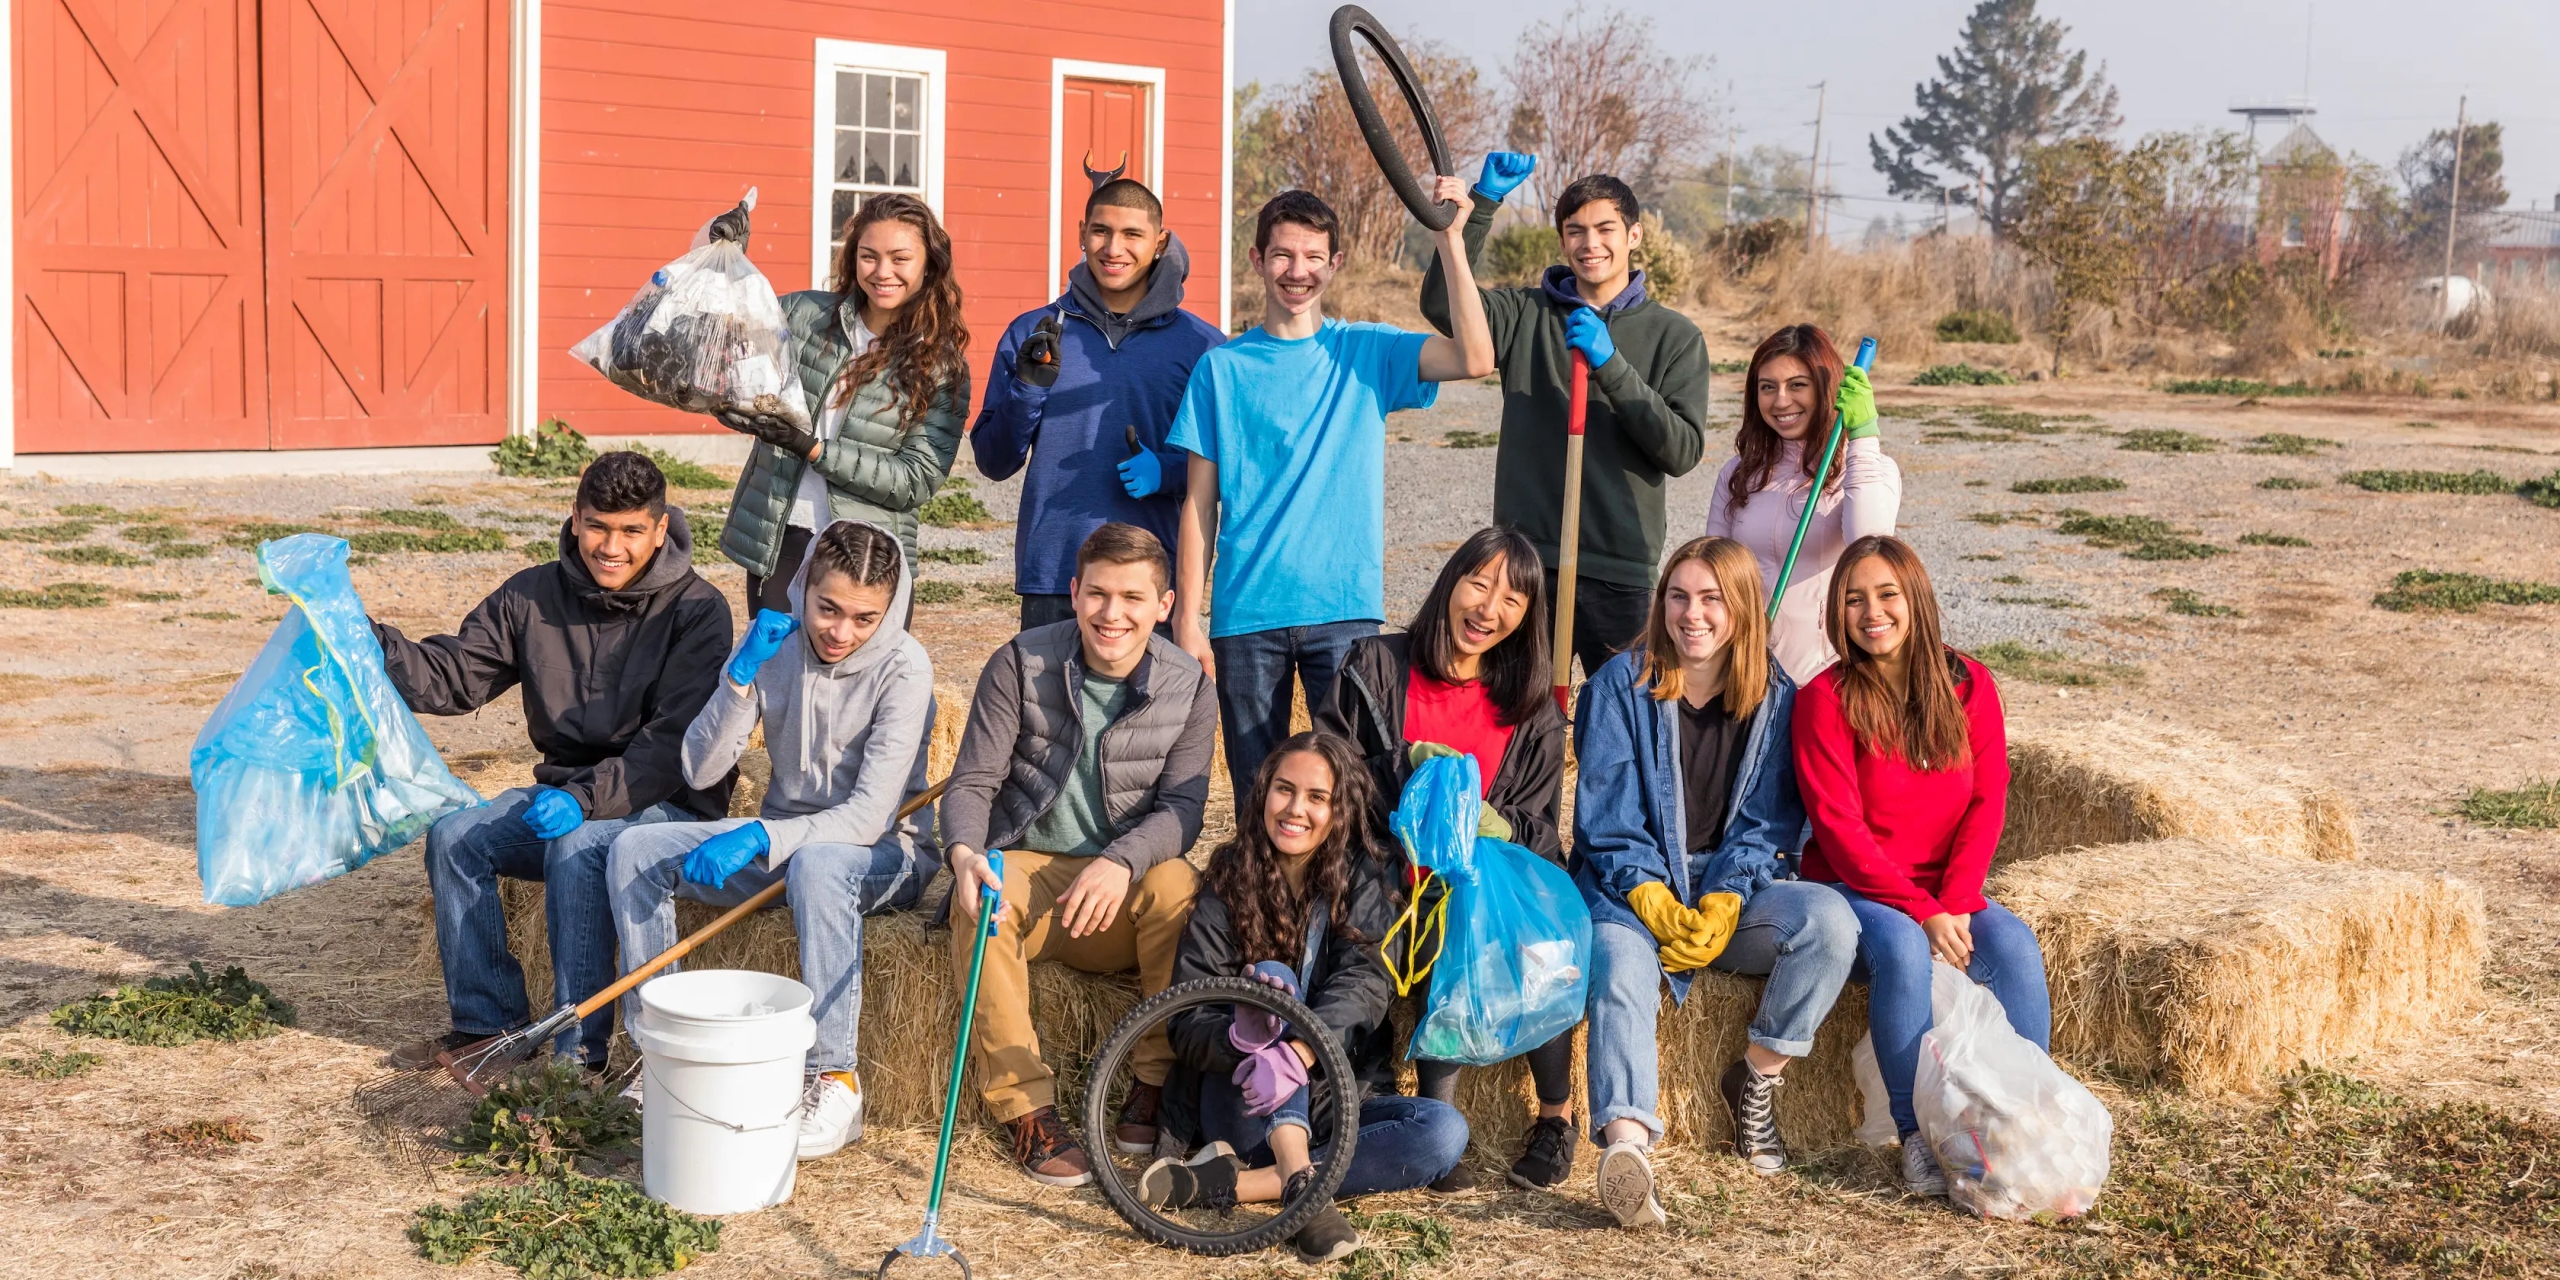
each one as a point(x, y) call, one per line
point(2120, 780)
point(1896, 294)
point(2279, 334)
point(2211, 966)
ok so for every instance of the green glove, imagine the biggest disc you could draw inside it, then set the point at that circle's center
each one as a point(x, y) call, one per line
point(1857, 404)
point(1490, 823)
point(1421, 751)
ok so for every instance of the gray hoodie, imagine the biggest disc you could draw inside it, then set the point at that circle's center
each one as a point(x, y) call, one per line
point(847, 739)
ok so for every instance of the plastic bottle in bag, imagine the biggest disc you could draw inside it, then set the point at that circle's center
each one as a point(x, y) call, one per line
point(2016, 1135)
point(706, 333)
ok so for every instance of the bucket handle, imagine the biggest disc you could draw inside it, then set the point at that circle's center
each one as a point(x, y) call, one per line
point(677, 1098)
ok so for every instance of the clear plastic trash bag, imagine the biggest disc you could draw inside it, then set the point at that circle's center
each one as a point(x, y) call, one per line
point(2015, 1134)
point(706, 333)
point(312, 765)
point(1514, 971)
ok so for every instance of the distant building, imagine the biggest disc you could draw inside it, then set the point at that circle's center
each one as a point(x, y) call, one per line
point(2518, 251)
point(2302, 201)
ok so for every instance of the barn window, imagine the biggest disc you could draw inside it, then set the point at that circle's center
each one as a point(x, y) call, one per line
point(879, 127)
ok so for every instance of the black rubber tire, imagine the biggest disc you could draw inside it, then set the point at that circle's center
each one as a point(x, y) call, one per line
point(1351, 20)
point(1344, 1127)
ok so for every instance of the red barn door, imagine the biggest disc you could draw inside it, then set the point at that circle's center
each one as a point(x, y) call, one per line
point(140, 309)
point(386, 220)
point(1103, 120)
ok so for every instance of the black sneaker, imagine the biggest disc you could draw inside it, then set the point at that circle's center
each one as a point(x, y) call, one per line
point(1328, 1236)
point(1547, 1154)
point(418, 1055)
point(1751, 1098)
point(1205, 1181)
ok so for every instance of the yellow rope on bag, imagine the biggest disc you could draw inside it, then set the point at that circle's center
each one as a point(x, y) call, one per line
point(1418, 926)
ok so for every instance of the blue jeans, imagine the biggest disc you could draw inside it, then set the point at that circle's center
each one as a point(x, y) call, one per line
point(1893, 959)
point(483, 985)
point(1801, 935)
point(1253, 686)
point(1404, 1142)
point(833, 886)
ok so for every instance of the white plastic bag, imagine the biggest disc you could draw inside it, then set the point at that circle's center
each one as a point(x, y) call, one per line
point(1875, 1124)
point(2016, 1136)
point(705, 334)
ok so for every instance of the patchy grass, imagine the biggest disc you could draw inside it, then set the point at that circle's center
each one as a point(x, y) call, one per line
point(88, 510)
point(1977, 326)
point(154, 534)
point(2020, 420)
point(1972, 437)
point(2287, 445)
point(408, 518)
point(2182, 601)
point(683, 473)
point(2043, 602)
point(2069, 484)
point(92, 554)
point(1471, 439)
point(708, 524)
point(955, 506)
point(166, 1012)
point(2237, 387)
point(2464, 482)
point(1961, 375)
point(546, 1117)
point(1396, 1245)
point(2272, 540)
point(249, 535)
point(2287, 482)
point(181, 551)
point(2534, 805)
point(543, 550)
point(216, 615)
point(447, 543)
point(1983, 555)
point(50, 1065)
point(2168, 440)
point(1998, 518)
point(2139, 537)
point(565, 1228)
point(57, 531)
point(200, 1137)
point(554, 451)
point(999, 593)
point(931, 592)
point(954, 555)
point(2413, 590)
point(2544, 492)
point(2011, 579)
point(55, 595)
point(2011, 660)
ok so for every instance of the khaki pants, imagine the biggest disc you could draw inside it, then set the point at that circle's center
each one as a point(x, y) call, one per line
point(1143, 936)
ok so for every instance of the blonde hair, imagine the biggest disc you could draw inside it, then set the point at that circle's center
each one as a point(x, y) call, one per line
point(1745, 656)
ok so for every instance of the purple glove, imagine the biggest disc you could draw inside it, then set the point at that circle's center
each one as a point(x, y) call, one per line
point(1254, 1029)
point(1268, 1076)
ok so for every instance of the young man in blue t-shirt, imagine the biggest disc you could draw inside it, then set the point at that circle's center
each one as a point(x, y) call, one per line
point(1286, 426)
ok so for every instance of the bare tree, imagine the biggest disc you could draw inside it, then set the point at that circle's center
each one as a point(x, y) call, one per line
point(1593, 93)
point(1319, 146)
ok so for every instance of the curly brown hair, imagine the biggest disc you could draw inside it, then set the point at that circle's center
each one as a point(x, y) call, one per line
point(1757, 445)
point(1267, 917)
point(926, 349)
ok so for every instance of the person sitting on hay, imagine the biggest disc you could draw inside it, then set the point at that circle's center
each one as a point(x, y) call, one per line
point(1903, 758)
point(1684, 813)
point(1086, 760)
point(1301, 899)
point(616, 645)
point(845, 695)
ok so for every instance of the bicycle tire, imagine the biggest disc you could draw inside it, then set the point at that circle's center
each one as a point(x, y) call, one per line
point(1329, 1172)
point(1349, 21)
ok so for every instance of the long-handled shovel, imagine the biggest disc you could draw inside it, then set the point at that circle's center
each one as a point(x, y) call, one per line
point(929, 1243)
point(1569, 542)
point(1821, 473)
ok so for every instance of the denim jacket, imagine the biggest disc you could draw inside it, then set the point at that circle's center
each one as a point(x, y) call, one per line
point(1629, 809)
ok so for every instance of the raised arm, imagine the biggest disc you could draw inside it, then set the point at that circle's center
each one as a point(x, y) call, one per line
point(1001, 439)
point(1467, 351)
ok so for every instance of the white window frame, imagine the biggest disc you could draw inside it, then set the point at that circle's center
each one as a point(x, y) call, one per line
point(1059, 70)
point(856, 55)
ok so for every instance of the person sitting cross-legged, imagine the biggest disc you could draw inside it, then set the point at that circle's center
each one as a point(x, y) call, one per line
point(1086, 761)
point(846, 698)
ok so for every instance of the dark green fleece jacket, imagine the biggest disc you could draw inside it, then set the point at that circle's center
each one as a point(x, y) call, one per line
point(1644, 423)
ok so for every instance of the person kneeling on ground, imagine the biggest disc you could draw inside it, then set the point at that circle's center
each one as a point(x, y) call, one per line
point(1300, 899)
point(617, 645)
point(1903, 755)
point(847, 707)
point(1683, 816)
point(1470, 675)
point(1086, 760)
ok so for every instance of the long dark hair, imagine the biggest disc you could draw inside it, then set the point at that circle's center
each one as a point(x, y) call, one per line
point(1514, 671)
point(926, 349)
point(1268, 918)
point(1757, 445)
point(1928, 731)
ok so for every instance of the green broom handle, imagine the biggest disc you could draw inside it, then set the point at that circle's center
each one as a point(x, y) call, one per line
point(1821, 472)
point(987, 904)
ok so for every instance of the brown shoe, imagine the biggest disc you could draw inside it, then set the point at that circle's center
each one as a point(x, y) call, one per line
point(1047, 1152)
point(1135, 1134)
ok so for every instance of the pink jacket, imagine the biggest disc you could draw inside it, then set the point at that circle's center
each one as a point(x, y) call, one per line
point(1867, 500)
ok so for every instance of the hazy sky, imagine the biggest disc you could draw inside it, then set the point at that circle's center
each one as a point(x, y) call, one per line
point(2383, 72)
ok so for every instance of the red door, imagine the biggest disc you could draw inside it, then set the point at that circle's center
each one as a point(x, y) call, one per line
point(385, 130)
point(140, 316)
point(1104, 120)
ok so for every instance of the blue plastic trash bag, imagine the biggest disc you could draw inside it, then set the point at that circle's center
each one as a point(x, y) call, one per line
point(312, 765)
point(1515, 968)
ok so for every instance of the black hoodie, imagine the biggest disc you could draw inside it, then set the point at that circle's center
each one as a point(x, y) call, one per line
point(611, 678)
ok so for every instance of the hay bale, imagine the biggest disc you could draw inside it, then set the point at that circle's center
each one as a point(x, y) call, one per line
point(2192, 962)
point(2120, 780)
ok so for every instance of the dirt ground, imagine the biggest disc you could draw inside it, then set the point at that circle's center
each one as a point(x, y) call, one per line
point(98, 707)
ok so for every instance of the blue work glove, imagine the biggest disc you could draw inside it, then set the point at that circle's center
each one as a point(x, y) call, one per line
point(1143, 474)
point(713, 861)
point(764, 639)
point(1255, 1029)
point(1586, 332)
point(1504, 171)
point(554, 813)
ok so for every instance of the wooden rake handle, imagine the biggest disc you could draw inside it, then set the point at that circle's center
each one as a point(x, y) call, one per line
point(763, 898)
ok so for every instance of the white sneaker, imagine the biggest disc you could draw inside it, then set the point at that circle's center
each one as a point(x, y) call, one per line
point(1626, 1186)
point(830, 1116)
point(1921, 1175)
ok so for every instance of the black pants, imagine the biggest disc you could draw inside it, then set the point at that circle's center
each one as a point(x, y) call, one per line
point(1550, 1069)
point(775, 592)
point(1041, 610)
point(1607, 618)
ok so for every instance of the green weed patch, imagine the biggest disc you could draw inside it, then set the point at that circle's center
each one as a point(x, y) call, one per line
point(2287, 482)
point(999, 593)
point(57, 531)
point(2533, 805)
point(546, 1117)
point(2139, 537)
point(2182, 601)
point(554, 451)
point(409, 518)
point(2011, 660)
point(50, 1065)
point(87, 510)
point(1471, 439)
point(2414, 590)
point(152, 534)
point(1961, 375)
point(1977, 326)
point(2069, 484)
point(2272, 540)
point(2237, 387)
point(683, 473)
point(55, 595)
point(181, 551)
point(451, 542)
point(2463, 482)
point(2165, 440)
point(92, 554)
point(565, 1228)
point(1971, 437)
point(2041, 602)
point(2284, 444)
point(542, 550)
point(166, 1012)
point(931, 592)
point(955, 506)
point(1998, 518)
point(249, 536)
point(954, 555)
point(2544, 492)
point(1395, 1246)
point(2020, 420)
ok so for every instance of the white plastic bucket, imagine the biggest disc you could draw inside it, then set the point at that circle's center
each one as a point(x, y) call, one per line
point(723, 1050)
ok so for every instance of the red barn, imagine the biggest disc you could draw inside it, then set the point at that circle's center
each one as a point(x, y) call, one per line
point(304, 224)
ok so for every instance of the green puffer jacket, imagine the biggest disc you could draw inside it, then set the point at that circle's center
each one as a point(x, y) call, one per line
point(874, 470)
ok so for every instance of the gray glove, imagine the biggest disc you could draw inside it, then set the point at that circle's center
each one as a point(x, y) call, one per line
point(732, 226)
point(772, 429)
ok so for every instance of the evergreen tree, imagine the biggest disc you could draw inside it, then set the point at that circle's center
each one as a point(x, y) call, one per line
point(2426, 171)
point(2008, 88)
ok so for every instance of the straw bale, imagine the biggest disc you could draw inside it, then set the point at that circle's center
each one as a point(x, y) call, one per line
point(2194, 962)
point(2120, 780)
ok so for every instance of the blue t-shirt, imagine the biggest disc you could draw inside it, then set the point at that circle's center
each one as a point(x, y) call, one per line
point(1298, 428)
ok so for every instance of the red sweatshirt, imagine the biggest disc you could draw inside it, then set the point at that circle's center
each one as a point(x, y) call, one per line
point(1918, 842)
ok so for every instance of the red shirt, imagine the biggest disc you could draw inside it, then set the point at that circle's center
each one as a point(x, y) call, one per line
point(1456, 715)
point(1918, 842)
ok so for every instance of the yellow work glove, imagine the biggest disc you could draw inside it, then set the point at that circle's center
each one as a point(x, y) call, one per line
point(1660, 909)
point(1691, 937)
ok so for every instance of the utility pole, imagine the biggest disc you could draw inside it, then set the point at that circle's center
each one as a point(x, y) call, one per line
point(2453, 198)
point(1822, 97)
point(1728, 175)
